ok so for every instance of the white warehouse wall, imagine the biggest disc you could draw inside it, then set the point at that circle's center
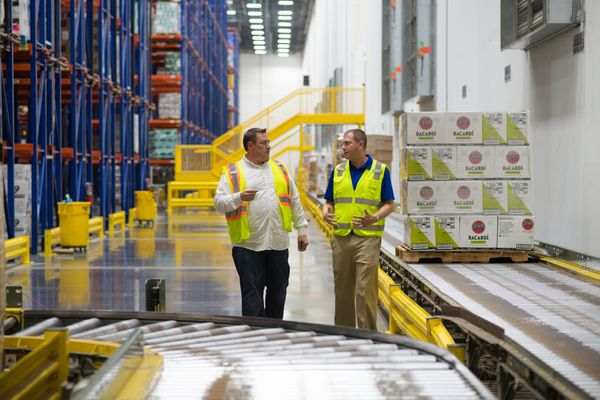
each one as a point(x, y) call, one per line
point(266, 79)
point(561, 92)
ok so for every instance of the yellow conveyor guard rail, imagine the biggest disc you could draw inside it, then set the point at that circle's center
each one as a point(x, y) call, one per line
point(17, 248)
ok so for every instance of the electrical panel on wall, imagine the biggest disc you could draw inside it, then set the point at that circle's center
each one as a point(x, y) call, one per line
point(527, 23)
point(408, 59)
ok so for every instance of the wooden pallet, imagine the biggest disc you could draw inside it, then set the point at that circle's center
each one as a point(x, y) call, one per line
point(461, 256)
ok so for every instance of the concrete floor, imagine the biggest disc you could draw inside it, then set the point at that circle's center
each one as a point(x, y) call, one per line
point(192, 252)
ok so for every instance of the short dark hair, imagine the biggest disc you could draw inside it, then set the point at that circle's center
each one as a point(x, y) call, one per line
point(250, 136)
point(358, 135)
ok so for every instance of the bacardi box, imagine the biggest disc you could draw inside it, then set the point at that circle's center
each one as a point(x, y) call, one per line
point(443, 162)
point(419, 232)
point(422, 197)
point(415, 163)
point(515, 232)
point(447, 232)
point(511, 161)
point(517, 128)
point(478, 231)
point(422, 128)
point(463, 197)
point(495, 200)
point(519, 197)
point(475, 162)
point(462, 128)
point(493, 128)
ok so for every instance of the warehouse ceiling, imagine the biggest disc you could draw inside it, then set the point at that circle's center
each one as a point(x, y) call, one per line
point(270, 26)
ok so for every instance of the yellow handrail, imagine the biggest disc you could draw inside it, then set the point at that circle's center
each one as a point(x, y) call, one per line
point(114, 219)
point(305, 105)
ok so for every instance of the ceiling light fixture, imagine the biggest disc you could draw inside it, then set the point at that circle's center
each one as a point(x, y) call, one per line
point(285, 2)
point(284, 17)
point(259, 42)
point(283, 40)
point(253, 5)
point(284, 36)
point(230, 12)
point(255, 20)
point(257, 26)
point(260, 47)
point(258, 33)
point(260, 52)
point(255, 13)
point(283, 54)
point(285, 12)
point(281, 23)
point(284, 30)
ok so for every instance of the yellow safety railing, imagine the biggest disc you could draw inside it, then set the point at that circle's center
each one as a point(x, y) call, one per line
point(406, 316)
point(116, 219)
point(303, 106)
point(17, 247)
point(97, 226)
point(41, 373)
point(52, 236)
point(132, 217)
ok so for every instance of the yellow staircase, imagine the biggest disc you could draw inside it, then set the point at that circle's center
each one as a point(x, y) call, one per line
point(198, 167)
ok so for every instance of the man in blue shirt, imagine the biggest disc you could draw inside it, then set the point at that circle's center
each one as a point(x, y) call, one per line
point(358, 198)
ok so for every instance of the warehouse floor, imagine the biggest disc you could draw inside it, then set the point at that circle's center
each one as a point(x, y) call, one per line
point(192, 252)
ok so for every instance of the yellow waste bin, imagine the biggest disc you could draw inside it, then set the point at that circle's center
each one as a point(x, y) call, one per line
point(74, 223)
point(145, 205)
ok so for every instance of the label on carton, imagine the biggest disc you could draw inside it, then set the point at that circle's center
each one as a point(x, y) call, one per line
point(422, 128)
point(516, 232)
point(447, 232)
point(516, 128)
point(443, 162)
point(511, 161)
point(419, 232)
point(463, 128)
point(493, 127)
point(494, 197)
point(464, 197)
point(475, 162)
point(478, 231)
point(519, 197)
point(416, 163)
point(423, 197)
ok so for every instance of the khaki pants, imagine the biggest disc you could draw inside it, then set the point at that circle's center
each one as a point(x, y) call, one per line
point(355, 261)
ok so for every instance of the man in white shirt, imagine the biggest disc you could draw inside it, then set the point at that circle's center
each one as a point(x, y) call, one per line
point(261, 202)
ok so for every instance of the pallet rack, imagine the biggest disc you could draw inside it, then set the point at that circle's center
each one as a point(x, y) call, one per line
point(70, 103)
point(233, 77)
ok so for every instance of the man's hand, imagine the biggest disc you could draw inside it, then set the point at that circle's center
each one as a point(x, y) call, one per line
point(248, 194)
point(365, 220)
point(302, 242)
point(328, 216)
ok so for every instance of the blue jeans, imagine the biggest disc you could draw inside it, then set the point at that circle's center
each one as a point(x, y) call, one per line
point(259, 270)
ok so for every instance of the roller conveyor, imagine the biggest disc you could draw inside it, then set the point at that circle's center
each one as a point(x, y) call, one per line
point(256, 358)
point(549, 314)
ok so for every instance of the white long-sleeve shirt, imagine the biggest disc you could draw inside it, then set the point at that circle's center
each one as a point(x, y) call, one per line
point(264, 218)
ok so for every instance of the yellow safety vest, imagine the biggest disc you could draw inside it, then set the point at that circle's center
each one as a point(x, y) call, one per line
point(349, 202)
point(237, 220)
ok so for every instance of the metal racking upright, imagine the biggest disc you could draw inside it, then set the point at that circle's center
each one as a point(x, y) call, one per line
point(143, 93)
point(107, 106)
point(125, 57)
point(233, 77)
point(7, 127)
point(42, 108)
point(204, 70)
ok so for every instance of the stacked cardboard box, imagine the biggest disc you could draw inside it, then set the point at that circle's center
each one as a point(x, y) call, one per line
point(162, 143)
point(317, 169)
point(167, 18)
point(380, 147)
point(172, 65)
point(169, 106)
point(465, 180)
point(22, 193)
